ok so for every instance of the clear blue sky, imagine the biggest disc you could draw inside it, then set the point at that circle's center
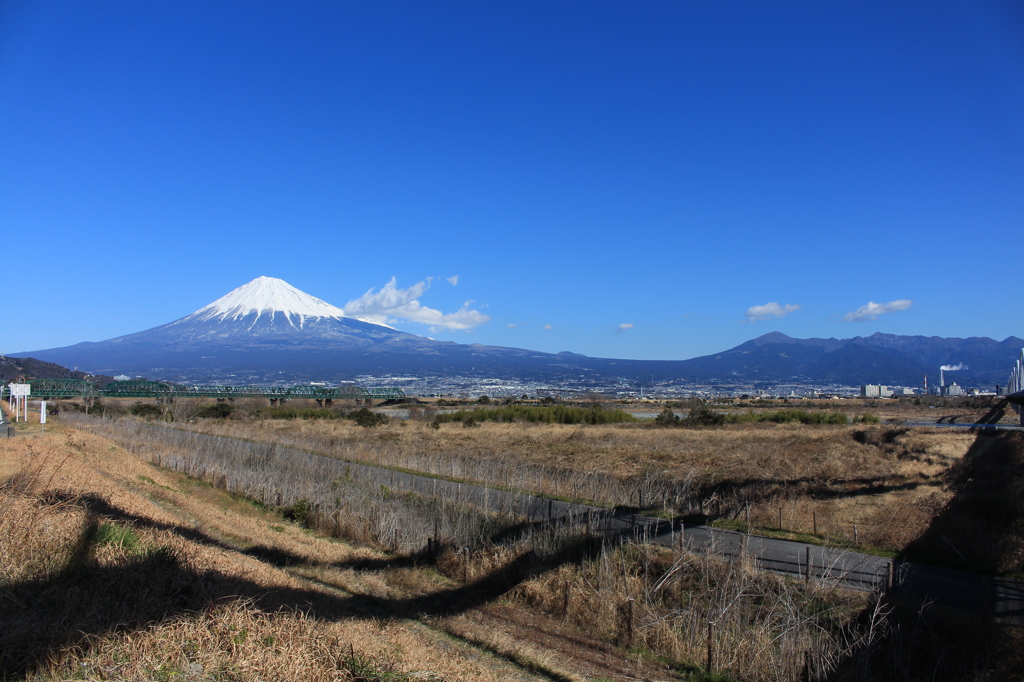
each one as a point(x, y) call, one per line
point(619, 179)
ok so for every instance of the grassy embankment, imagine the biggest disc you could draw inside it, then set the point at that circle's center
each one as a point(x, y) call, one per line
point(111, 568)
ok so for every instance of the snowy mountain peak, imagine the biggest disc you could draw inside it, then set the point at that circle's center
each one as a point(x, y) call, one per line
point(268, 296)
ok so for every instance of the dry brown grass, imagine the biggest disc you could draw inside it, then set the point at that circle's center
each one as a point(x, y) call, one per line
point(177, 596)
point(192, 604)
point(673, 604)
point(878, 485)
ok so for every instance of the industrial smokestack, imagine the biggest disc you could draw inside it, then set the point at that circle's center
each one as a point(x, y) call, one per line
point(948, 368)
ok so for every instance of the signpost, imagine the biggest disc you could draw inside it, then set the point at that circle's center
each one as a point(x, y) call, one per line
point(19, 399)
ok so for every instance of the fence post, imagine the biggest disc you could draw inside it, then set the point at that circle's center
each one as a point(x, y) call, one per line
point(807, 565)
point(815, 516)
point(626, 614)
point(711, 650)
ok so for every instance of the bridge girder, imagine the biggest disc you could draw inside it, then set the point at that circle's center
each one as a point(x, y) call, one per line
point(140, 388)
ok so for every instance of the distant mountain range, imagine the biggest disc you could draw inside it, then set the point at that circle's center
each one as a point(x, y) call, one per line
point(879, 358)
point(268, 331)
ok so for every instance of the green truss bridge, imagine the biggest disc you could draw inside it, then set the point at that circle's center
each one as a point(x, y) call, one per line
point(138, 388)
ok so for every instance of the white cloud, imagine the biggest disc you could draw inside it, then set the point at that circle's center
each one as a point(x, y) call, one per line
point(773, 309)
point(453, 280)
point(393, 303)
point(625, 326)
point(872, 310)
point(546, 327)
point(511, 325)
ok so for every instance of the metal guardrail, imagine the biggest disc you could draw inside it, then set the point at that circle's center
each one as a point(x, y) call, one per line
point(138, 388)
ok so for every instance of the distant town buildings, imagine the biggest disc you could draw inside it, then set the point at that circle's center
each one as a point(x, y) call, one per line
point(875, 391)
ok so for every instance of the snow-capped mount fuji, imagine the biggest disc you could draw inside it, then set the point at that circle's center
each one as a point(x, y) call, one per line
point(271, 300)
point(270, 295)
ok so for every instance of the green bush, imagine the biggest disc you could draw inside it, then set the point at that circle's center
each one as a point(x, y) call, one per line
point(789, 416)
point(702, 415)
point(300, 512)
point(667, 418)
point(216, 411)
point(367, 419)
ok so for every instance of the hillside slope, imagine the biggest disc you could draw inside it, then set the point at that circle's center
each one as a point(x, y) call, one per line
point(26, 369)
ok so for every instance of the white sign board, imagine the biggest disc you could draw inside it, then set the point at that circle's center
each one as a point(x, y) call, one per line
point(19, 399)
point(42, 411)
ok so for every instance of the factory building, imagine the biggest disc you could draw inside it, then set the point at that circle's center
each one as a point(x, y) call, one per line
point(953, 390)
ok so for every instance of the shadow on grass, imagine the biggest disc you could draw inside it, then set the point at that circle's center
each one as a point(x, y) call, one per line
point(915, 643)
point(982, 527)
point(39, 618)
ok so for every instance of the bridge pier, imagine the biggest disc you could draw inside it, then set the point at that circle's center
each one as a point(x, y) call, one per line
point(273, 402)
point(329, 402)
point(319, 402)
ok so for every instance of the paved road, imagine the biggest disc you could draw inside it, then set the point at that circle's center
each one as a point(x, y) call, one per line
point(973, 427)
